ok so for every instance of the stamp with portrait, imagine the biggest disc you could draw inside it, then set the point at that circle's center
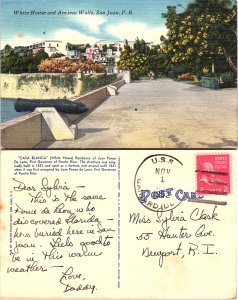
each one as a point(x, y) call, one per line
point(213, 174)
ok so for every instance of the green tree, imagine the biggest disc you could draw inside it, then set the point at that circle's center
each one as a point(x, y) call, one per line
point(140, 60)
point(111, 61)
point(127, 47)
point(21, 51)
point(132, 61)
point(70, 46)
point(16, 64)
point(38, 57)
point(57, 55)
point(141, 47)
point(204, 33)
point(7, 51)
point(104, 48)
point(78, 47)
point(20, 60)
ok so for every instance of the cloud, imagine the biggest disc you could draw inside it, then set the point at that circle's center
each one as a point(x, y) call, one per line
point(90, 22)
point(20, 39)
point(132, 30)
point(63, 34)
point(73, 36)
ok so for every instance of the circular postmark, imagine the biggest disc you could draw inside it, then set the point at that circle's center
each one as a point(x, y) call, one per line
point(155, 180)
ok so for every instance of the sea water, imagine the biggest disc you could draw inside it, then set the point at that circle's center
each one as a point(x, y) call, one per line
point(8, 111)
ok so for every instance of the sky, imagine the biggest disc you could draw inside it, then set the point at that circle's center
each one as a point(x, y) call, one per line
point(22, 25)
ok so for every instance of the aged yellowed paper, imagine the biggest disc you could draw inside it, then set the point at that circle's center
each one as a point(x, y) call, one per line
point(118, 224)
point(119, 149)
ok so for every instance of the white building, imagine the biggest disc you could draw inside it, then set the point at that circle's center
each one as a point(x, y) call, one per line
point(98, 52)
point(114, 48)
point(73, 54)
point(119, 45)
point(49, 46)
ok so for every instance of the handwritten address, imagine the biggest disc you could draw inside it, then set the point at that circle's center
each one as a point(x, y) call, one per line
point(191, 230)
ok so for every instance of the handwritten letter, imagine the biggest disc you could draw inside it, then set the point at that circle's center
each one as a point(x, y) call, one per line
point(64, 227)
point(124, 224)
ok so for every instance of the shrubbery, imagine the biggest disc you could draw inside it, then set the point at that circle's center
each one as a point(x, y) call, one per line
point(175, 70)
point(228, 78)
point(90, 66)
point(58, 66)
point(93, 81)
point(186, 76)
point(57, 55)
point(67, 66)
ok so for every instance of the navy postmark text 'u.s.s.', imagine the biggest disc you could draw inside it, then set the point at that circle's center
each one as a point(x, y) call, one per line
point(156, 180)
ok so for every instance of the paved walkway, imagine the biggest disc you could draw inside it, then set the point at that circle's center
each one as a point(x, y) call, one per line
point(160, 114)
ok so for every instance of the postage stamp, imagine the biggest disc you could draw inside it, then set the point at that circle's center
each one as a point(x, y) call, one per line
point(213, 174)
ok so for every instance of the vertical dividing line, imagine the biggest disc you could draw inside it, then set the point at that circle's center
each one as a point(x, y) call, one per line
point(119, 225)
point(10, 221)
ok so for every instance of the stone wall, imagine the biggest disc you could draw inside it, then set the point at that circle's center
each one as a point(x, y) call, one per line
point(119, 83)
point(40, 86)
point(51, 86)
point(26, 131)
point(23, 132)
point(93, 99)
